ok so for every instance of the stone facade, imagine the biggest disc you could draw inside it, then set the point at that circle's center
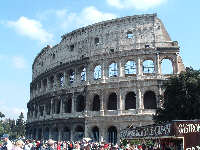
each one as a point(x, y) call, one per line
point(100, 79)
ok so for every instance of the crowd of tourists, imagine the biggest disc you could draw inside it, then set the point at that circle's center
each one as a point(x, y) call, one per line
point(25, 144)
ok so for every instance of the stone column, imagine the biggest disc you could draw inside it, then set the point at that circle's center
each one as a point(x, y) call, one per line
point(61, 105)
point(121, 69)
point(139, 67)
point(73, 103)
point(104, 71)
point(157, 65)
point(102, 103)
point(51, 111)
point(139, 100)
point(59, 134)
point(119, 103)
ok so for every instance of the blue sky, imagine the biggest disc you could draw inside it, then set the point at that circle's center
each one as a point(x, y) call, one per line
point(26, 26)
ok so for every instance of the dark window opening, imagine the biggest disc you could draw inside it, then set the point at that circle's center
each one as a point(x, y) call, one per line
point(83, 75)
point(51, 81)
point(66, 134)
point(58, 107)
point(54, 56)
point(96, 103)
point(55, 134)
point(112, 102)
point(68, 105)
point(129, 35)
point(80, 103)
point(79, 133)
point(61, 79)
point(147, 46)
point(112, 50)
point(71, 47)
point(150, 100)
point(46, 133)
point(112, 135)
point(95, 132)
point(130, 101)
point(71, 76)
point(96, 40)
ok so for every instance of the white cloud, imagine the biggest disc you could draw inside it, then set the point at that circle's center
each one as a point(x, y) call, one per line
point(30, 28)
point(68, 20)
point(19, 62)
point(137, 4)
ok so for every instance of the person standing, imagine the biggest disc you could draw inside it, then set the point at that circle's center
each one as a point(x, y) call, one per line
point(7, 145)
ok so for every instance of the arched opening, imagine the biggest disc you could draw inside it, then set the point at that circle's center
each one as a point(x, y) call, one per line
point(51, 81)
point(130, 101)
point(97, 72)
point(129, 34)
point(34, 133)
point(112, 135)
point(79, 133)
point(60, 79)
point(95, 133)
point(96, 40)
point(148, 67)
point(58, 107)
point(113, 70)
point(39, 134)
point(96, 103)
point(46, 133)
point(80, 103)
point(68, 105)
point(166, 66)
point(66, 134)
point(55, 134)
point(112, 102)
point(150, 100)
point(130, 68)
point(71, 76)
point(83, 75)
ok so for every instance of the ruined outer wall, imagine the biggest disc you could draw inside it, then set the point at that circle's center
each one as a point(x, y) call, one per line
point(101, 44)
point(112, 34)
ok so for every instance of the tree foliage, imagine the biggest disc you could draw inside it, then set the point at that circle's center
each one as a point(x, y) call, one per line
point(181, 99)
point(15, 128)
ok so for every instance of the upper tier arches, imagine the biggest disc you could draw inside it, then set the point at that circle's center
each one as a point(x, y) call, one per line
point(101, 38)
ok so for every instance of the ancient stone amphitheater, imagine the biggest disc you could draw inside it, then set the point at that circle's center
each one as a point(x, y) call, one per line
point(100, 79)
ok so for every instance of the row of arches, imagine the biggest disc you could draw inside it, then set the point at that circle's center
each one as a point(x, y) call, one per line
point(65, 105)
point(66, 134)
point(130, 68)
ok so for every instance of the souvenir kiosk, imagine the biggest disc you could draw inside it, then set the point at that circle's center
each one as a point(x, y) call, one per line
point(176, 135)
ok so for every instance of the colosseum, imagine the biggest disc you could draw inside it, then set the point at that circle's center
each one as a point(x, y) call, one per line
point(100, 79)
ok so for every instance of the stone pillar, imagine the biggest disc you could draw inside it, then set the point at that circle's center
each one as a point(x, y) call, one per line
point(102, 103)
point(104, 71)
point(59, 134)
point(73, 103)
point(139, 67)
point(44, 111)
point(61, 105)
point(86, 131)
point(157, 65)
point(139, 100)
point(121, 69)
point(120, 101)
point(51, 111)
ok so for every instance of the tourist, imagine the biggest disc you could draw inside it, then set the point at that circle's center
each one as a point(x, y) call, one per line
point(7, 145)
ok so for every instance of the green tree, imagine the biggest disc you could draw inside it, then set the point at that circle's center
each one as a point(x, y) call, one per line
point(2, 115)
point(181, 99)
point(20, 126)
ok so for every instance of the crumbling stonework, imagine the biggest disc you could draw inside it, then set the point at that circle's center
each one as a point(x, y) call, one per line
point(100, 79)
